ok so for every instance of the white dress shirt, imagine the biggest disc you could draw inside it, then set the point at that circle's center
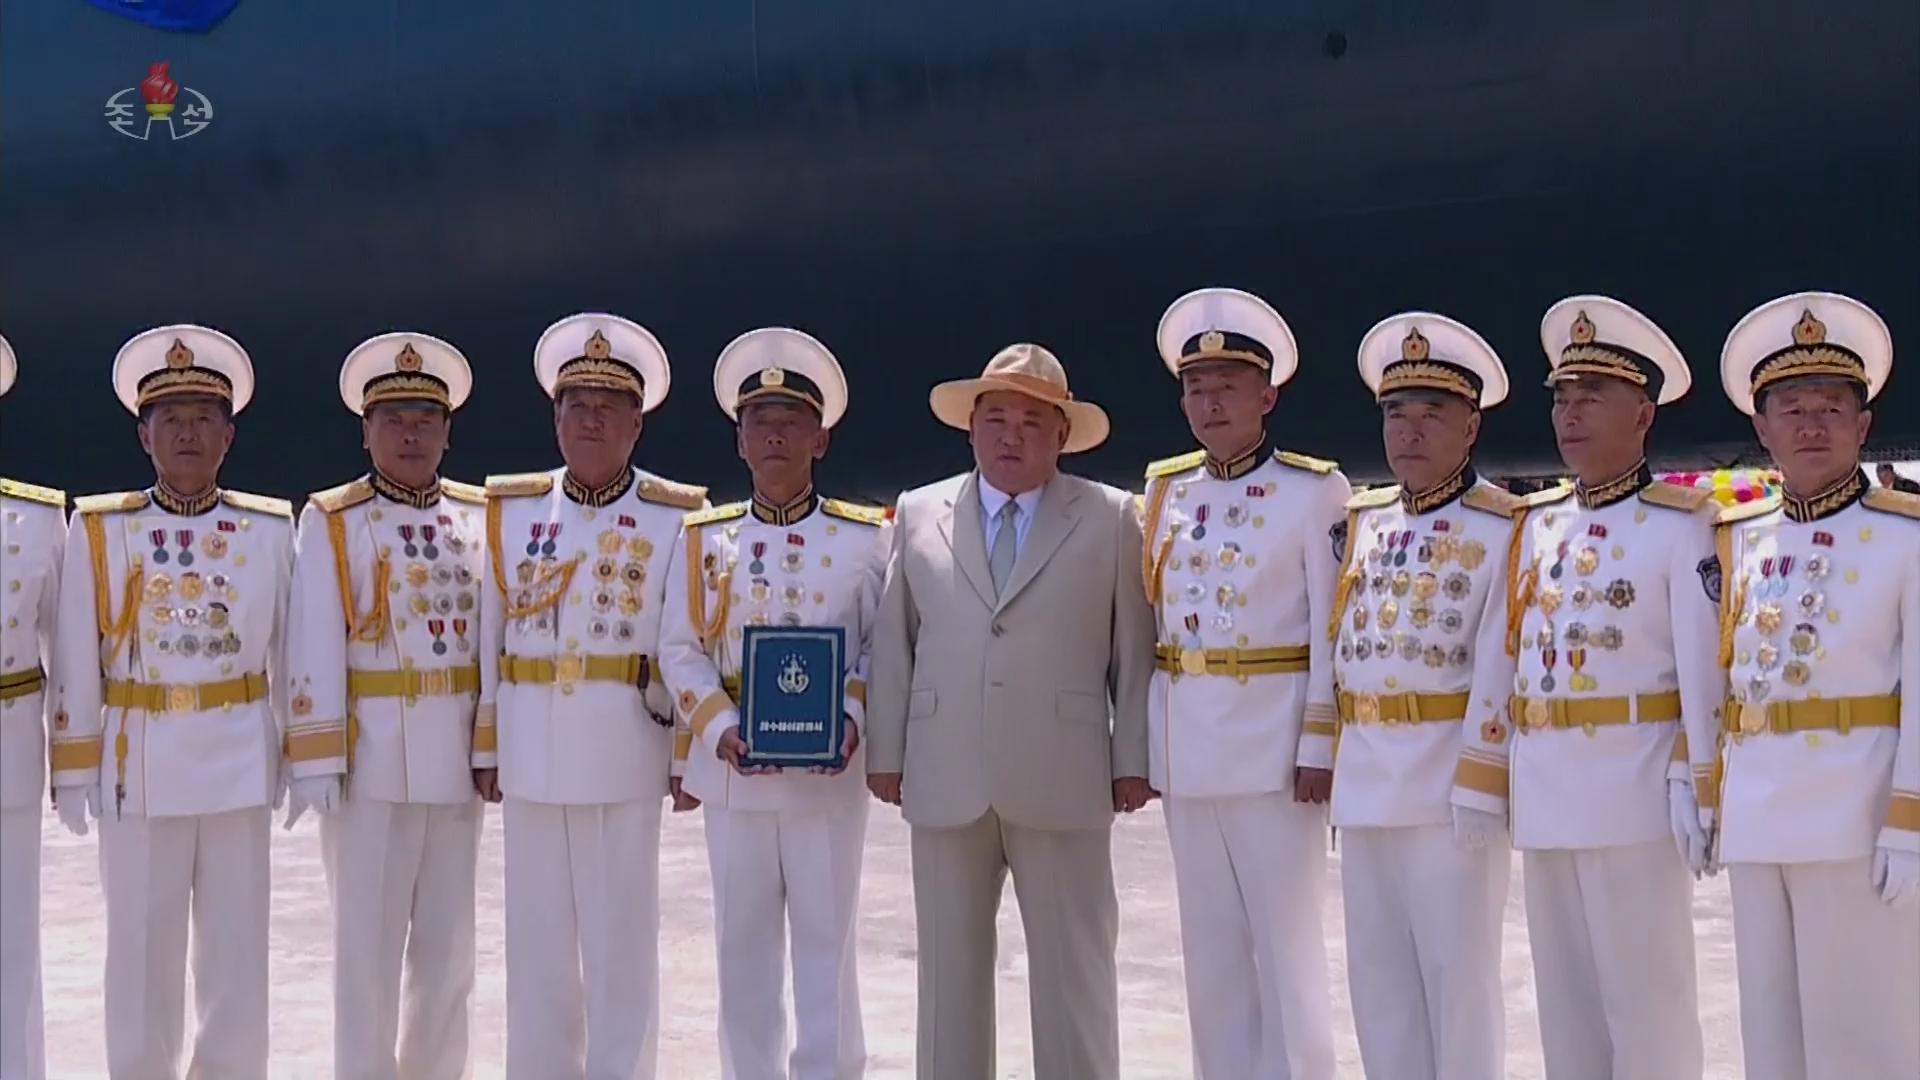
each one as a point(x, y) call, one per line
point(992, 499)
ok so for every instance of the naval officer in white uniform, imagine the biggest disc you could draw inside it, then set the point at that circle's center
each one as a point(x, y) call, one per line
point(170, 711)
point(1600, 653)
point(1239, 564)
point(33, 530)
point(381, 638)
point(575, 729)
point(1820, 806)
point(785, 848)
point(1425, 882)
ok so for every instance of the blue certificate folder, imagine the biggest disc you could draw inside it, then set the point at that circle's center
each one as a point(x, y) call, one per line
point(793, 695)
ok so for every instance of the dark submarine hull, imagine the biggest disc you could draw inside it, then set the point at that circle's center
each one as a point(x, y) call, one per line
point(919, 182)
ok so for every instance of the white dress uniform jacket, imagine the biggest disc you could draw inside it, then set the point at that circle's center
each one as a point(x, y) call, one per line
point(785, 850)
point(168, 694)
point(33, 535)
point(1599, 649)
point(570, 625)
point(383, 665)
point(1424, 917)
point(1822, 765)
point(1240, 562)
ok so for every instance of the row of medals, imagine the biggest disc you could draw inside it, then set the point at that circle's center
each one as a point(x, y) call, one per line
point(419, 574)
point(1770, 618)
point(793, 594)
point(204, 620)
point(1618, 594)
point(616, 586)
point(1387, 579)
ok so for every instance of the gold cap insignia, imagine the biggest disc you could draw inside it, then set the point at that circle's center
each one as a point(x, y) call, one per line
point(179, 356)
point(773, 376)
point(1415, 346)
point(1583, 330)
point(1809, 330)
point(1212, 341)
point(407, 360)
point(598, 347)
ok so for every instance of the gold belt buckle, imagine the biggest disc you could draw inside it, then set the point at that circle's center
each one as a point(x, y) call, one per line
point(568, 670)
point(1366, 708)
point(1753, 717)
point(1193, 661)
point(1538, 714)
point(433, 683)
point(180, 699)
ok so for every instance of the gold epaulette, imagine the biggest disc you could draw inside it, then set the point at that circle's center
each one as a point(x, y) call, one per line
point(1489, 499)
point(258, 504)
point(875, 516)
point(1546, 497)
point(723, 512)
point(45, 496)
point(1674, 497)
point(110, 504)
point(1888, 501)
point(1172, 465)
point(670, 493)
point(1317, 466)
point(1375, 498)
point(1746, 511)
point(335, 499)
point(466, 493)
point(517, 485)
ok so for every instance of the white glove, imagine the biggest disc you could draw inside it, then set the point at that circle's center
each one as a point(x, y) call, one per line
point(1683, 813)
point(1897, 875)
point(321, 794)
point(1474, 829)
point(74, 803)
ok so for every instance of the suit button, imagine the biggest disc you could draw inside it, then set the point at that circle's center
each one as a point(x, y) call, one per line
point(998, 629)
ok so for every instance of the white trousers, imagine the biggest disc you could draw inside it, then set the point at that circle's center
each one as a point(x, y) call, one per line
point(23, 1037)
point(583, 940)
point(1829, 974)
point(401, 876)
point(1251, 875)
point(1424, 920)
point(771, 869)
point(212, 873)
point(1612, 936)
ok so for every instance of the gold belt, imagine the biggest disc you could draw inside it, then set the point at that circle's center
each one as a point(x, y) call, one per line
point(15, 684)
point(186, 697)
point(1282, 660)
point(1403, 708)
point(1814, 714)
point(571, 668)
point(413, 683)
point(1537, 714)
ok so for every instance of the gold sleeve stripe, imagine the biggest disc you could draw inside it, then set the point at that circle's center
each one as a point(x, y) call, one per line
point(72, 755)
point(1481, 776)
point(682, 745)
point(1320, 727)
point(1344, 591)
point(704, 713)
point(857, 690)
point(317, 745)
point(1903, 813)
point(486, 738)
point(1679, 747)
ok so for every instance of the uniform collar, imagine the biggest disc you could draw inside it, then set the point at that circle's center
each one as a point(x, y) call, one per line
point(1827, 503)
point(1241, 464)
point(394, 491)
point(1613, 491)
point(790, 513)
point(1426, 502)
point(174, 503)
point(595, 497)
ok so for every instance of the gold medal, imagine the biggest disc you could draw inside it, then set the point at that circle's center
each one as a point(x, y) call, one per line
point(1472, 554)
point(609, 542)
point(1767, 619)
point(1549, 600)
point(1796, 673)
point(1389, 615)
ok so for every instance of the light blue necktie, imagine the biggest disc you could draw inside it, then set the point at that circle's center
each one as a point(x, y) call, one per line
point(1005, 541)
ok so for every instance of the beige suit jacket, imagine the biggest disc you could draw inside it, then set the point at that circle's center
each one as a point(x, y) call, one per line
point(1031, 704)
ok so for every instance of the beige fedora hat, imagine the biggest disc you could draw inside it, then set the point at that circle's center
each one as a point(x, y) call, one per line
point(1030, 370)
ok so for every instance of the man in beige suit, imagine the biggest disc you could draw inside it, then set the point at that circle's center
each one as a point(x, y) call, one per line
point(1007, 715)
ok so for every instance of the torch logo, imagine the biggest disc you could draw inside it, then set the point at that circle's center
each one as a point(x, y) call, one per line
point(161, 100)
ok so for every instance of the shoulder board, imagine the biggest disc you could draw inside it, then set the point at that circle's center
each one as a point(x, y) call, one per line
point(1317, 466)
point(1674, 497)
point(1172, 465)
point(1547, 497)
point(45, 496)
point(1375, 498)
point(1887, 501)
point(723, 512)
point(669, 493)
point(1746, 511)
point(335, 499)
point(109, 504)
point(846, 511)
point(515, 485)
point(466, 493)
point(259, 504)
point(1489, 499)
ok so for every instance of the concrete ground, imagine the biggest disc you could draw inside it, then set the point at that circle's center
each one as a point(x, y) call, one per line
point(1152, 998)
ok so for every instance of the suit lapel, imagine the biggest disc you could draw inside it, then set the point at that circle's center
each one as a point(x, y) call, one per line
point(961, 529)
point(1054, 519)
